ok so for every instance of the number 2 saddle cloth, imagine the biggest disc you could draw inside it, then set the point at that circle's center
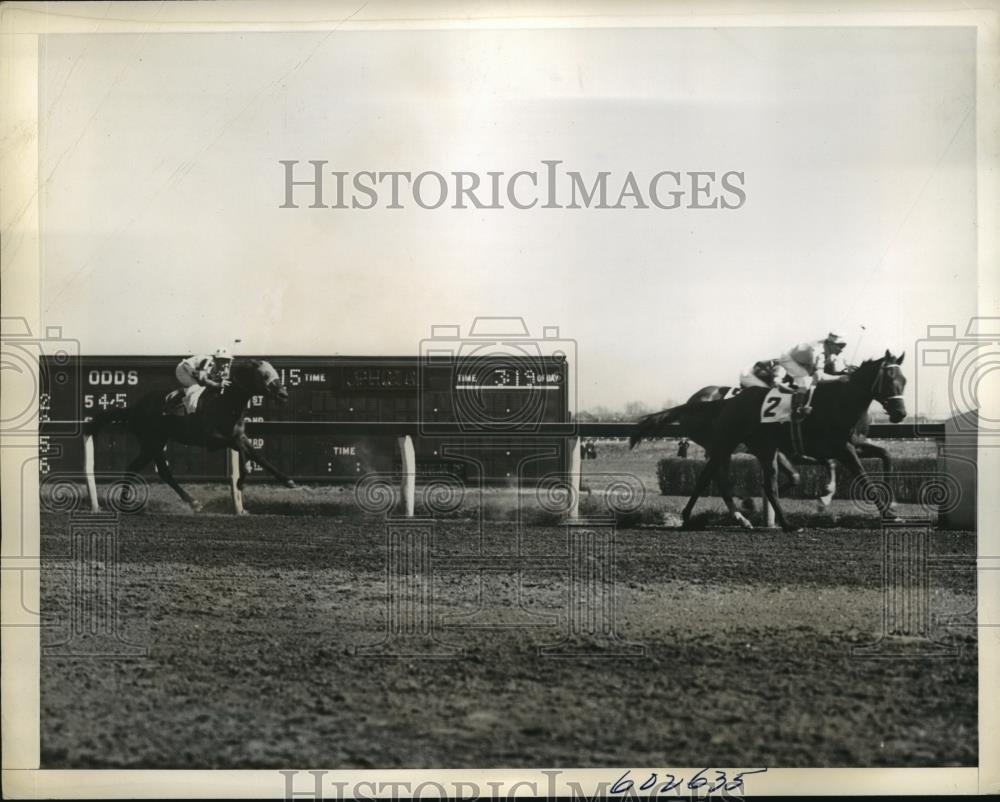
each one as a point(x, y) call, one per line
point(777, 407)
point(781, 406)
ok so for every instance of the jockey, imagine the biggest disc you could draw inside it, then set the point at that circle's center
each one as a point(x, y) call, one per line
point(205, 371)
point(200, 371)
point(808, 364)
point(801, 367)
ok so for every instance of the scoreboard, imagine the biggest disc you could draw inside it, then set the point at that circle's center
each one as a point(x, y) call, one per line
point(506, 394)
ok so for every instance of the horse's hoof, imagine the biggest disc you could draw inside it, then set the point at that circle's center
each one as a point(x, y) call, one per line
point(290, 484)
point(793, 530)
point(243, 512)
point(796, 479)
point(196, 506)
point(742, 521)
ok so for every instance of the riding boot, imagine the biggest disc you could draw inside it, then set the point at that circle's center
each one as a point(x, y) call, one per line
point(799, 406)
point(800, 409)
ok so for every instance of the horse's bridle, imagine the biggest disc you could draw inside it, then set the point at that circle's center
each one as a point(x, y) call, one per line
point(876, 387)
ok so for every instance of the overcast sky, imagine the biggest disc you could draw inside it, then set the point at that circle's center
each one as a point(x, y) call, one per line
point(162, 231)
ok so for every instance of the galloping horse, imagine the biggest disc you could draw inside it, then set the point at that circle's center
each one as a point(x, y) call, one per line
point(217, 423)
point(693, 426)
point(827, 432)
point(699, 429)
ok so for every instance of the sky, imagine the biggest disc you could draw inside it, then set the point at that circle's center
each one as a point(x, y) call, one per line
point(161, 188)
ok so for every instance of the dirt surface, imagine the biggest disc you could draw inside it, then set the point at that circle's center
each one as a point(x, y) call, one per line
point(273, 641)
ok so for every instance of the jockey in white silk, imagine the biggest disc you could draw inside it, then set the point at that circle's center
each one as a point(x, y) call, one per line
point(200, 371)
point(806, 364)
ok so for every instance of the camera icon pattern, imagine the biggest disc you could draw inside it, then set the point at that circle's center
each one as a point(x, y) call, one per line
point(910, 628)
point(31, 366)
point(936, 493)
point(953, 371)
point(89, 624)
point(498, 377)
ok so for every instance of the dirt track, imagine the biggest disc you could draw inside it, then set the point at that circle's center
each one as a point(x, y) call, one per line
point(253, 625)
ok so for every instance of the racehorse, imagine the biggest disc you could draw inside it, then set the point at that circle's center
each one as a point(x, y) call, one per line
point(217, 423)
point(694, 427)
point(697, 428)
point(828, 432)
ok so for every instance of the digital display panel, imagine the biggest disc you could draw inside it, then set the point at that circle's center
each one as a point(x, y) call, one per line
point(509, 393)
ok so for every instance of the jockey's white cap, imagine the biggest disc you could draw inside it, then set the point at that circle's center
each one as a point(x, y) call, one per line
point(835, 339)
point(223, 353)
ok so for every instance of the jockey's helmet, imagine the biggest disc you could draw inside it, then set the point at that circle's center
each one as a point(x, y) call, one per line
point(835, 341)
point(222, 353)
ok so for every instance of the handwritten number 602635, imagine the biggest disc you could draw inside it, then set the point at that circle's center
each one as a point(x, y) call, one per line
point(654, 786)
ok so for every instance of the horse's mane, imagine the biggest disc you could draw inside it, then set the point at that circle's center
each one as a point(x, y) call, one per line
point(876, 362)
point(868, 365)
point(246, 362)
point(243, 368)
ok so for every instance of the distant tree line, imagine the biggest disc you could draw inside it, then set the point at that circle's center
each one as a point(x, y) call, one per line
point(632, 411)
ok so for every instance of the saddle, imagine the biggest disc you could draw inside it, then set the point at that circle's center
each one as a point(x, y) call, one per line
point(173, 403)
point(764, 370)
point(183, 401)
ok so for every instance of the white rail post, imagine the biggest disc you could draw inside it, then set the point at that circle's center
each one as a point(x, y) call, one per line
point(88, 469)
point(769, 521)
point(409, 487)
point(575, 462)
point(768, 510)
point(234, 477)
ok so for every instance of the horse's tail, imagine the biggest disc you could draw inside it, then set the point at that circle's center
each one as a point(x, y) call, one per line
point(655, 425)
point(91, 428)
point(658, 424)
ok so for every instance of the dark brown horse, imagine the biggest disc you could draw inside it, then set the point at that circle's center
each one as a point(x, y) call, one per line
point(826, 432)
point(217, 423)
point(660, 424)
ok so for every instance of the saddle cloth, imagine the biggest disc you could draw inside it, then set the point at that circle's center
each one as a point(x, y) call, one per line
point(777, 407)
